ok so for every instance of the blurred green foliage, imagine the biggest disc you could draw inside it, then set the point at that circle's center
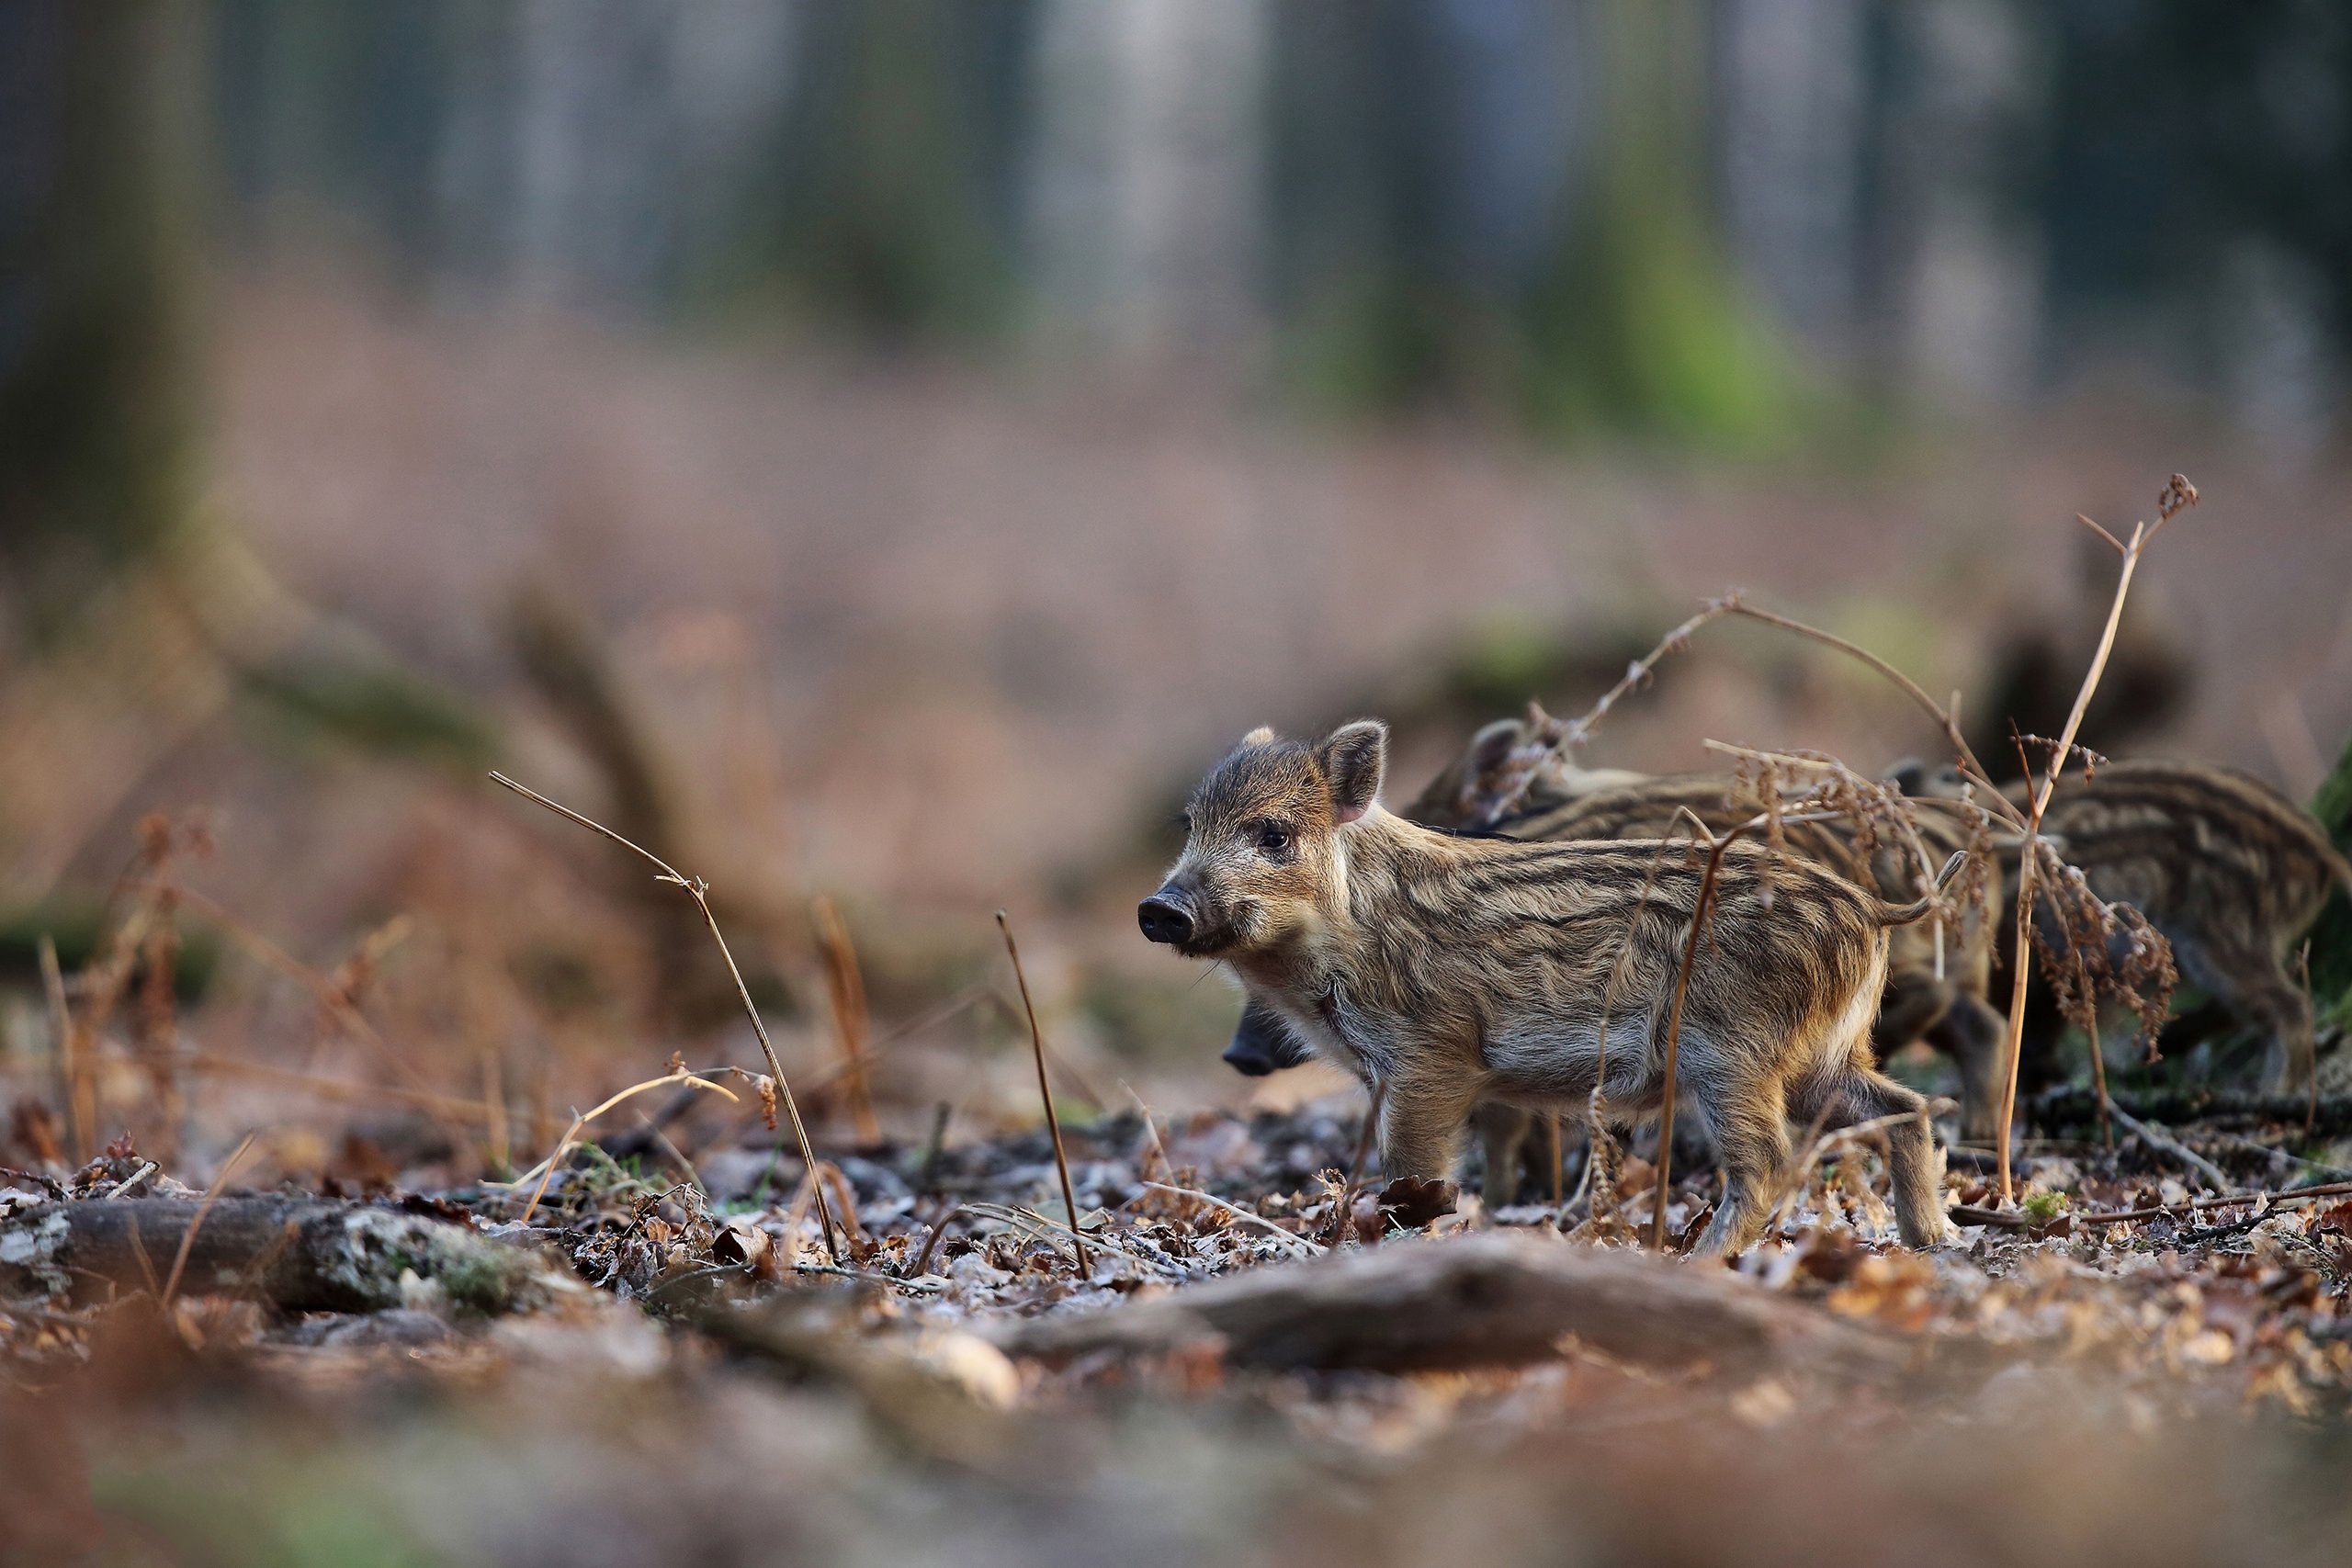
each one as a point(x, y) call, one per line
point(1639, 325)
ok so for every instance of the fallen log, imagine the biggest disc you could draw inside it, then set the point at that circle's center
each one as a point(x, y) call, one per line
point(299, 1254)
point(1470, 1301)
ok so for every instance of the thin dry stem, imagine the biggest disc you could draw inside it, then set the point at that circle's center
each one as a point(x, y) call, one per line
point(2162, 1141)
point(2292, 1195)
point(1298, 1244)
point(2179, 495)
point(1818, 1144)
point(2098, 1053)
point(1575, 732)
point(1151, 1131)
point(698, 890)
point(196, 1221)
point(545, 1169)
point(1943, 718)
point(1045, 1093)
point(2112, 542)
point(1674, 1034)
point(1601, 1158)
point(336, 1002)
point(1866, 805)
point(497, 1144)
point(845, 985)
point(73, 1073)
point(1559, 738)
point(147, 1168)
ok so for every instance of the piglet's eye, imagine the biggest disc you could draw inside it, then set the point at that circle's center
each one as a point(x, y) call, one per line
point(1273, 838)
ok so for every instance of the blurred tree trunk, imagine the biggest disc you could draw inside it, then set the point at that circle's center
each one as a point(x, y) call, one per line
point(897, 166)
point(149, 615)
point(95, 213)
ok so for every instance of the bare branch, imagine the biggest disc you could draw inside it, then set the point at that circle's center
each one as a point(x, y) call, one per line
point(698, 889)
point(1053, 1122)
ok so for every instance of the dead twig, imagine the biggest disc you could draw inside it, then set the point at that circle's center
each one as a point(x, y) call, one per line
point(1818, 1144)
point(1943, 718)
point(545, 1169)
point(698, 890)
point(1299, 1245)
point(196, 1223)
point(1601, 1168)
point(147, 1168)
point(1548, 737)
point(2157, 1139)
point(2178, 496)
point(1044, 1092)
point(2222, 1232)
point(70, 1076)
point(2010, 1220)
point(845, 985)
point(915, 1285)
point(1707, 878)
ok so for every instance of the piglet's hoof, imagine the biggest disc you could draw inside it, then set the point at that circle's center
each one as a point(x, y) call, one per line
point(1409, 1202)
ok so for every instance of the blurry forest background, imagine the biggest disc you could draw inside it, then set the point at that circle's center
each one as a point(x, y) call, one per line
point(878, 453)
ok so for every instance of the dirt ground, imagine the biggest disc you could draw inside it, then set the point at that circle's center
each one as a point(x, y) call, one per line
point(694, 1380)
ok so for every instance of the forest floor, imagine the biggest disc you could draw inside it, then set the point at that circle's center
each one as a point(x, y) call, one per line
point(1257, 1361)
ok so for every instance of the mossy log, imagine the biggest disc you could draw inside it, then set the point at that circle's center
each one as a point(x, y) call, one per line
point(298, 1254)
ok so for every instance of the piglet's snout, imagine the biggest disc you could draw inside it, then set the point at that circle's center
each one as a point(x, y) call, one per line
point(1165, 918)
point(1250, 1058)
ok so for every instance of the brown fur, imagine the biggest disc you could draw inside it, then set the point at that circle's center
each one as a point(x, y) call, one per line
point(1449, 970)
point(1465, 791)
point(2230, 870)
point(1943, 1002)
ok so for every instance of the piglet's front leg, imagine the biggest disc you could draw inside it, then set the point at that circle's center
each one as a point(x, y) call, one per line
point(1422, 1117)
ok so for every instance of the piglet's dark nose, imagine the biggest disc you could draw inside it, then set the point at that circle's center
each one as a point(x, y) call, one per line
point(1164, 920)
point(1250, 1059)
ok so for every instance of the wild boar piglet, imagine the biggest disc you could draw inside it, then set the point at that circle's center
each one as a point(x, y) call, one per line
point(1449, 970)
point(2228, 870)
point(1937, 978)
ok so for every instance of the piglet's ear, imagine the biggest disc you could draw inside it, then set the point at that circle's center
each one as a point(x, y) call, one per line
point(1492, 747)
point(1262, 736)
point(1352, 759)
